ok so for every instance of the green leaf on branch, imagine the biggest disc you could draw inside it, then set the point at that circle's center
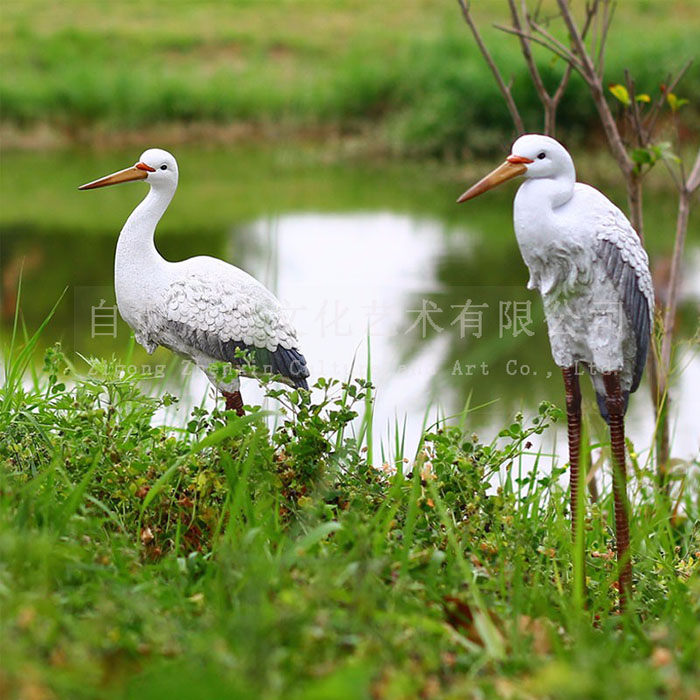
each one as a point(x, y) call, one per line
point(643, 98)
point(675, 102)
point(652, 154)
point(620, 93)
point(665, 151)
point(643, 156)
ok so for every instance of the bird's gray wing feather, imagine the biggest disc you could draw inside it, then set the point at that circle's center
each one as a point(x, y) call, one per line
point(216, 318)
point(626, 264)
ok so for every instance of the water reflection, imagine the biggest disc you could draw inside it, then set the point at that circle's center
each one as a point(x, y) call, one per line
point(347, 278)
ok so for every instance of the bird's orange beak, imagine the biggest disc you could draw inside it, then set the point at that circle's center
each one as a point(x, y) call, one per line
point(514, 166)
point(137, 172)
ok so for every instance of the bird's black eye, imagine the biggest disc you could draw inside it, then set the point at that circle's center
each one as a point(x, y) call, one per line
point(541, 155)
point(163, 167)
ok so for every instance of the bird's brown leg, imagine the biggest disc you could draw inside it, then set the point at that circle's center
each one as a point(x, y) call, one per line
point(573, 415)
point(616, 410)
point(234, 402)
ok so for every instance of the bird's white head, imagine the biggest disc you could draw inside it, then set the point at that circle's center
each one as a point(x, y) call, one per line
point(532, 156)
point(156, 166)
point(542, 156)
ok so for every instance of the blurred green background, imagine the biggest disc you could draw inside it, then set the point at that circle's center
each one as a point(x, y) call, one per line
point(406, 75)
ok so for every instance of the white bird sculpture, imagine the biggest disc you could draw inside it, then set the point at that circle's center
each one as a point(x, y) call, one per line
point(593, 274)
point(201, 308)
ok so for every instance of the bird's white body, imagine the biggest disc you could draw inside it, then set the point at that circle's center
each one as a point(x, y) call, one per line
point(588, 263)
point(593, 274)
point(584, 309)
point(201, 308)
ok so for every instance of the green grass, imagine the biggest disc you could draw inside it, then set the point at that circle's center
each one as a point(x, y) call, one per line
point(265, 557)
point(408, 71)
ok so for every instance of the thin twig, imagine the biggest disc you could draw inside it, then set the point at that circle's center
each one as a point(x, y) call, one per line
point(564, 54)
point(608, 12)
point(527, 54)
point(590, 14)
point(662, 377)
point(549, 102)
point(693, 181)
point(673, 284)
point(596, 24)
point(538, 9)
point(579, 47)
point(505, 90)
point(677, 181)
point(562, 84)
point(595, 83)
point(591, 10)
point(634, 109)
point(670, 87)
point(653, 113)
point(561, 49)
point(677, 134)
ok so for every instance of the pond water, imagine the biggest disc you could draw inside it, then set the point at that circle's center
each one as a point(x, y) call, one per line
point(355, 251)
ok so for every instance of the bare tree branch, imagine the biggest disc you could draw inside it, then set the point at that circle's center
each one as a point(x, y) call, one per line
point(596, 86)
point(595, 34)
point(664, 365)
point(527, 54)
point(549, 105)
point(554, 45)
point(562, 84)
point(634, 109)
point(505, 90)
point(608, 12)
point(653, 113)
point(590, 15)
point(679, 182)
point(674, 280)
point(554, 48)
point(559, 93)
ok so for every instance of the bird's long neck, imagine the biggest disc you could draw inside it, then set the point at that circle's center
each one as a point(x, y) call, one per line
point(136, 247)
point(535, 216)
point(550, 191)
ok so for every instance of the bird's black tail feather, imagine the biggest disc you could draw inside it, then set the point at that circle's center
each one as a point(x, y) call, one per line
point(290, 363)
point(602, 407)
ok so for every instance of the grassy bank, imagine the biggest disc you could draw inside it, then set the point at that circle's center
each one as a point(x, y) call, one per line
point(408, 72)
point(291, 556)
